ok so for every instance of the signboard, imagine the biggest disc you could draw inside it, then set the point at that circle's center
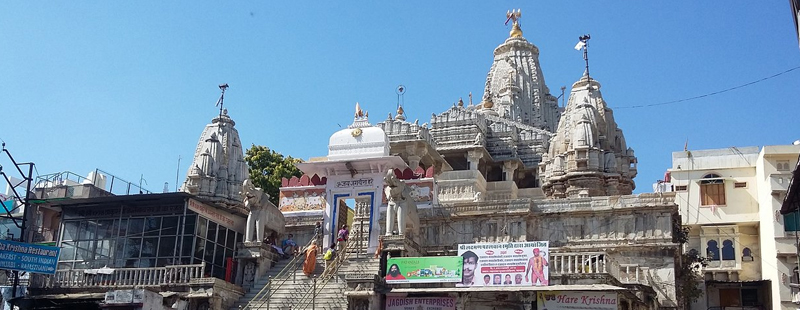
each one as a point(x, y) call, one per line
point(574, 300)
point(28, 257)
point(420, 303)
point(218, 216)
point(505, 264)
point(432, 269)
point(354, 183)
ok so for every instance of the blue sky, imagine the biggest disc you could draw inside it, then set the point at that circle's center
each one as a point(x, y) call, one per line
point(128, 86)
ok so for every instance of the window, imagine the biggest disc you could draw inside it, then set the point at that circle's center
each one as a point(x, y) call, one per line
point(720, 245)
point(712, 190)
point(783, 165)
point(790, 221)
point(740, 185)
point(728, 250)
point(680, 188)
point(712, 250)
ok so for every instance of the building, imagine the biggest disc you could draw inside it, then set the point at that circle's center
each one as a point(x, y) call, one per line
point(513, 169)
point(125, 248)
point(511, 172)
point(731, 198)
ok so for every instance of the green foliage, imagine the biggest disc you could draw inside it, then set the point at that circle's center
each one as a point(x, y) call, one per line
point(267, 167)
point(689, 275)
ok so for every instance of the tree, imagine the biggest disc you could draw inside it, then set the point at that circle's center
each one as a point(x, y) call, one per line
point(267, 167)
point(688, 275)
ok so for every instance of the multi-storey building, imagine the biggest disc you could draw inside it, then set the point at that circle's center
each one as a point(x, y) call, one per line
point(731, 198)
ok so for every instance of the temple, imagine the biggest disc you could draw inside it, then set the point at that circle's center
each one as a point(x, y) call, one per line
point(511, 203)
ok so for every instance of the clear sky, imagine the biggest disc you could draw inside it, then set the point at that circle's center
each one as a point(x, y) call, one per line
point(128, 86)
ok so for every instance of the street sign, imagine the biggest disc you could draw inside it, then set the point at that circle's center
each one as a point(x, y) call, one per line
point(26, 257)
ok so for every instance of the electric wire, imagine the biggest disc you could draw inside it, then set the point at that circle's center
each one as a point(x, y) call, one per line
point(708, 94)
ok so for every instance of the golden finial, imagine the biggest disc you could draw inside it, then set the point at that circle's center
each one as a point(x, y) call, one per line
point(460, 102)
point(516, 32)
point(400, 110)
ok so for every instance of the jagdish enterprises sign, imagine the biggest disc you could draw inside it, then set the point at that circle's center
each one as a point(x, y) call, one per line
point(420, 303)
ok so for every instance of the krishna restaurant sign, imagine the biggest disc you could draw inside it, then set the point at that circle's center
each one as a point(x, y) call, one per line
point(420, 303)
point(574, 300)
point(218, 216)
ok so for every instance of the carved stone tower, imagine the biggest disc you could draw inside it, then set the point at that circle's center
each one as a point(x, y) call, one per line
point(588, 155)
point(218, 168)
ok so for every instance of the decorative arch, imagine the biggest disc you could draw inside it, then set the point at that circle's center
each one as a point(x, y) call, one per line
point(712, 250)
point(728, 250)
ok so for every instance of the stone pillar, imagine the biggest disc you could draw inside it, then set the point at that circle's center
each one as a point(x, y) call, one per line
point(509, 167)
point(254, 259)
point(474, 158)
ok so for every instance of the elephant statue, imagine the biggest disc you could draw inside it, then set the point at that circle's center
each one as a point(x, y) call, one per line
point(401, 206)
point(263, 213)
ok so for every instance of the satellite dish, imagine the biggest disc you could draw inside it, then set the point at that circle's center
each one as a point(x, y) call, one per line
point(401, 89)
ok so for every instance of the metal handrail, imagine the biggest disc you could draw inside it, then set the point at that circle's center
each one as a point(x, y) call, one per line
point(310, 296)
point(267, 291)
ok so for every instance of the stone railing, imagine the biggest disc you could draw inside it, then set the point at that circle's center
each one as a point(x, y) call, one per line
point(596, 263)
point(127, 277)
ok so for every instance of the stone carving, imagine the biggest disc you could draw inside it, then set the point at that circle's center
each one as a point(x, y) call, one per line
point(401, 205)
point(263, 214)
point(249, 274)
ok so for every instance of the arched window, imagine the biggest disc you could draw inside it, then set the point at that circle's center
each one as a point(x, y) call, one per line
point(712, 250)
point(712, 190)
point(747, 255)
point(728, 250)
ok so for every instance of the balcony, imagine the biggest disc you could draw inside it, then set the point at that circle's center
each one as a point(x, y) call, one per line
point(587, 264)
point(125, 277)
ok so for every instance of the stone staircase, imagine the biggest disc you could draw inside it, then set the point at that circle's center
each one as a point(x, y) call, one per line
point(295, 286)
point(288, 290)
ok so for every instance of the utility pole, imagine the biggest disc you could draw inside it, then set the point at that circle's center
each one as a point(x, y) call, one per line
point(24, 201)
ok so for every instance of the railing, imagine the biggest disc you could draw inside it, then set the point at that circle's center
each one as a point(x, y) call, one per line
point(578, 263)
point(128, 277)
point(309, 298)
point(594, 263)
point(99, 178)
point(262, 297)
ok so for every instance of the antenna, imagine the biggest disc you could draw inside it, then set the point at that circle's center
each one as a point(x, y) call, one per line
point(401, 91)
point(221, 100)
point(177, 172)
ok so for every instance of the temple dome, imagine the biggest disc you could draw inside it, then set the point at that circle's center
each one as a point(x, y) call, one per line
point(359, 140)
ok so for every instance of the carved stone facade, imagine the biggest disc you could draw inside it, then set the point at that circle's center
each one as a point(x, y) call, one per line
point(588, 155)
point(218, 168)
point(487, 173)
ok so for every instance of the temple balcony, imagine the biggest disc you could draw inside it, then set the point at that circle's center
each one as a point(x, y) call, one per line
point(501, 190)
point(461, 186)
point(589, 267)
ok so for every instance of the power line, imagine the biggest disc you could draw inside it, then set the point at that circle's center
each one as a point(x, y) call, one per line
point(711, 93)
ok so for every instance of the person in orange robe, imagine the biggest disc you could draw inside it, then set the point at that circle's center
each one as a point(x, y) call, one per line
point(311, 259)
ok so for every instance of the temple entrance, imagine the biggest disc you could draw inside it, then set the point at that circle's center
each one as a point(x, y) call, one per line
point(355, 213)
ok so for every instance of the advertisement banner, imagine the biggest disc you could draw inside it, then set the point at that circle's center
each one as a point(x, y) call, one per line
point(28, 257)
point(432, 269)
point(505, 264)
point(420, 303)
point(555, 300)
